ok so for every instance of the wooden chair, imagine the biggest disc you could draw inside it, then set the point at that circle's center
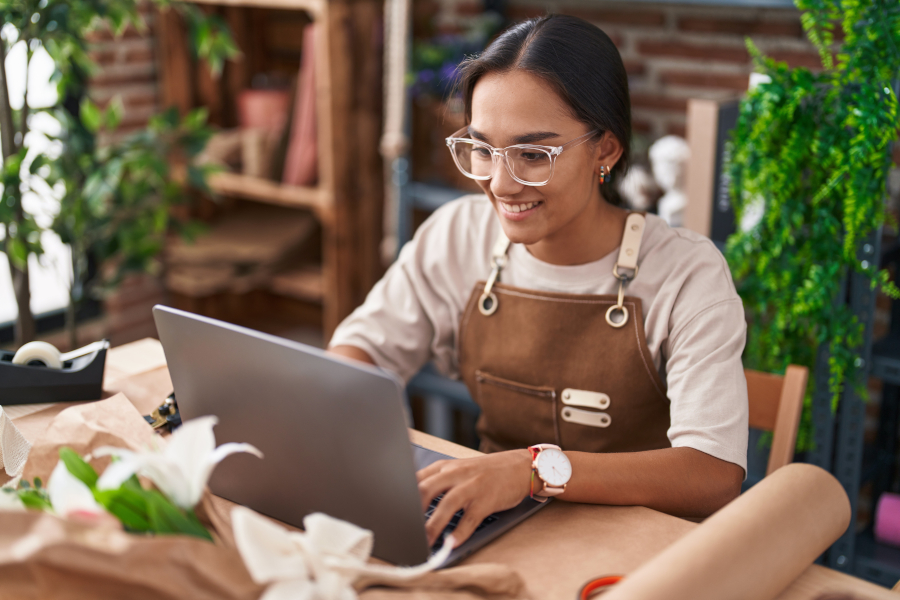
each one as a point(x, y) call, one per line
point(776, 402)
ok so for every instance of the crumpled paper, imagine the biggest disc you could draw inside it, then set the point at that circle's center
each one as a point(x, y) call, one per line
point(467, 582)
point(320, 563)
point(330, 561)
point(43, 556)
point(84, 427)
point(14, 447)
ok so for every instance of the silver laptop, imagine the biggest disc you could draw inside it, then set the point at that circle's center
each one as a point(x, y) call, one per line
point(333, 433)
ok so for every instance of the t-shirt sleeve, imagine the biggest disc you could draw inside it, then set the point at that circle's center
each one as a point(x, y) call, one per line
point(706, 383)
point(408, 317)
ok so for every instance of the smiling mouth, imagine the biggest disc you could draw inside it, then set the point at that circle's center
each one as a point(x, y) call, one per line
point(519, 208)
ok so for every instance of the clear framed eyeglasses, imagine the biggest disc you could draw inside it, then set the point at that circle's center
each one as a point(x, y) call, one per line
point(526, 163)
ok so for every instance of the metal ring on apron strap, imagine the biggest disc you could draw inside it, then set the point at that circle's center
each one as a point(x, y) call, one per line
point(609, 314)
point(620, 305)
point(487, 304)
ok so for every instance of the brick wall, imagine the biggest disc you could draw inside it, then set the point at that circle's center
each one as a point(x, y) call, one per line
point(127, 69)
point(672, 52)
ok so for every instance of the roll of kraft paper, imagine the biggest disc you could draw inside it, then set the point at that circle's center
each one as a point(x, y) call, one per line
point(751, 549)
point(887, 519)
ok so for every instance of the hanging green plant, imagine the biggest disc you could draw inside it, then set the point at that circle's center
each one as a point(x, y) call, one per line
point(808, 164)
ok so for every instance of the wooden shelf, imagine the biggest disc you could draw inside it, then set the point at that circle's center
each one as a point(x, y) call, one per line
point(270, 192)
point(303, 283)
point(347, 201)
point(316, 7)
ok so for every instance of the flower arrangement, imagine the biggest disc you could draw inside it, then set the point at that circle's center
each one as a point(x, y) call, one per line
point(179, 471)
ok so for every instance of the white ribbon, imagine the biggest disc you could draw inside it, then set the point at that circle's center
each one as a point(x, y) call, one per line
point(14, 448)
point(321, 563)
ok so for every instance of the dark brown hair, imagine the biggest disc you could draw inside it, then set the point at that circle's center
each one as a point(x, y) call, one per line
point(578, 60)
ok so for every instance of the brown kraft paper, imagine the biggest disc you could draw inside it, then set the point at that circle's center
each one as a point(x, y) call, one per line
point(751, 549)
point(85, 427)
point(43, 557)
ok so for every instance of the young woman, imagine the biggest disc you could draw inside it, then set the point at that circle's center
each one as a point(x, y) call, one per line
point(521, 292)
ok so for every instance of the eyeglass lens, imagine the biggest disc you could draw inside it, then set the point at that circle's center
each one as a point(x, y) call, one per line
point(528, 164)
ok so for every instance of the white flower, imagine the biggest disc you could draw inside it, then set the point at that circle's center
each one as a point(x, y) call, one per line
point(9, 500)
point(180, 469)
point(69, 495)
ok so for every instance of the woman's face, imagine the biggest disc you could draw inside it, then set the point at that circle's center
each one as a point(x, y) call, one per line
point(517, 107)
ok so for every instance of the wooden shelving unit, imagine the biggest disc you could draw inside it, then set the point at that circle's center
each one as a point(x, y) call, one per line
point(347, 201)
point(271, 192)
point(302, 283)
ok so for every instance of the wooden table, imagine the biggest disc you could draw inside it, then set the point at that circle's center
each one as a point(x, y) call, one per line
point(555, 551)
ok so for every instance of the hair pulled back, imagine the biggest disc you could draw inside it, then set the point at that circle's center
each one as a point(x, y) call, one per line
point(578, 60)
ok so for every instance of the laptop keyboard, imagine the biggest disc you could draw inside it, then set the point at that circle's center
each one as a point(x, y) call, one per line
point(454, 521)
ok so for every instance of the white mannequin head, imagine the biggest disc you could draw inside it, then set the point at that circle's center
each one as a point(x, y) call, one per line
point(668, 157)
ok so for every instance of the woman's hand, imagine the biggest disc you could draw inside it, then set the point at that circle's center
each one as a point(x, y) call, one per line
point(479, 486)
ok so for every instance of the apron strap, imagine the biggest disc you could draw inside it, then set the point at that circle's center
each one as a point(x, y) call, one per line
point(627, 261)
point(487, 304)
point(631, 245)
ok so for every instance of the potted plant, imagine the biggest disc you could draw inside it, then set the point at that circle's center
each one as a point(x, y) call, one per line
point(808, 164)
point(436, 113)
point(114, 201)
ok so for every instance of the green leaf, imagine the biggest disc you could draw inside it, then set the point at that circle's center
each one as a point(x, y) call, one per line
point(196, 118)
point(17, 252)
point(91, 116)
point(39, 161)
point(35, 500)
point(128, 503)
point(165, 517)
point(78, 467)
point(114, 114)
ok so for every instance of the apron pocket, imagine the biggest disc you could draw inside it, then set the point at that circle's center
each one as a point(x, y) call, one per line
point(513, 414)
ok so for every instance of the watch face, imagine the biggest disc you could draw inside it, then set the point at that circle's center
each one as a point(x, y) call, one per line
point(554, 467)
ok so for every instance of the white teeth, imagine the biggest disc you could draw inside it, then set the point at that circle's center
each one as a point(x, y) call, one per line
point(515, 208)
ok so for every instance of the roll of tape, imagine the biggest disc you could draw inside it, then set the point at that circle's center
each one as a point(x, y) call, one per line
point(38, 354)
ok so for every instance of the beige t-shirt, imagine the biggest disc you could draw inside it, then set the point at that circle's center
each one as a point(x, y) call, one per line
point(693, 317)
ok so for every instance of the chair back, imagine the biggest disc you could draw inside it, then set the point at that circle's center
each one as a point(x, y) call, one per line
point(776, 402)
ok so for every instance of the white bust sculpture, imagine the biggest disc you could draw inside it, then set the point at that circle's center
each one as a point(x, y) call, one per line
point(668, 159)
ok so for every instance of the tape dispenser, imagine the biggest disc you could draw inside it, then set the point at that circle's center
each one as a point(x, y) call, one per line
point(38, 372)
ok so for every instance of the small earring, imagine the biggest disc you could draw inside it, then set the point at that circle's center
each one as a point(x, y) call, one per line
point(603, 174)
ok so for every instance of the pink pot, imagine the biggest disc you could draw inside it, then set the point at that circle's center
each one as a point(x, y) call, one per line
point(264, 109)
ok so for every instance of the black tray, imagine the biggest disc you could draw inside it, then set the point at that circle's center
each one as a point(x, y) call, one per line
point(80, 379)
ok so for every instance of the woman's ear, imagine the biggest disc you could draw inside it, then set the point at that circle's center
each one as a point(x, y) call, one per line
point(609, 151)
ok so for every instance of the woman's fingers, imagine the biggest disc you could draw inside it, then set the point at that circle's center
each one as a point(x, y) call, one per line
point(438, 481)
point(432, 469)
point(470, 521)
point(431, 489)
point(453, 501)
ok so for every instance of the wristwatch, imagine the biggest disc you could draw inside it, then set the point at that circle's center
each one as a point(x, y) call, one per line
point(552, 468)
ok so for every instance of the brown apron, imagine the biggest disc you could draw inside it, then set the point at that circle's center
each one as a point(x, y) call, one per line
point(568, 369)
